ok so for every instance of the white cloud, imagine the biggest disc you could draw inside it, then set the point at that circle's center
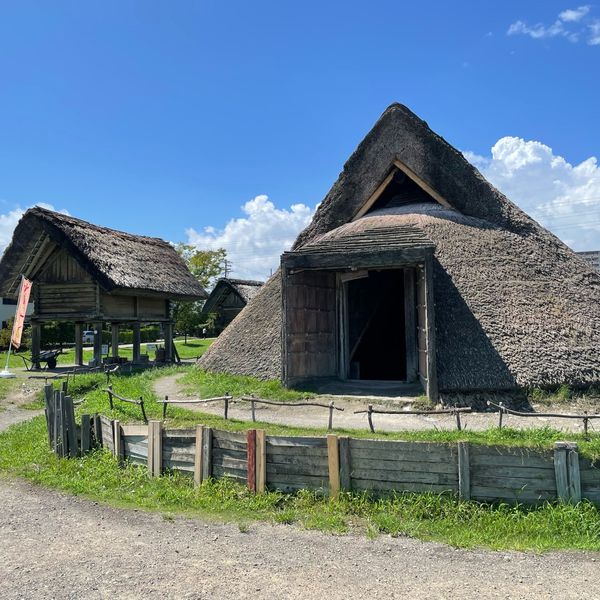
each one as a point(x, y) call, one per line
point(594, 30)
point(254, 243)
point(572, 24)
point(563, 197)
point(9, 220)
point(572, 15)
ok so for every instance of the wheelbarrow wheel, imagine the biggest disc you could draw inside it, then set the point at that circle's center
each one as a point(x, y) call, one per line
point(51, 363)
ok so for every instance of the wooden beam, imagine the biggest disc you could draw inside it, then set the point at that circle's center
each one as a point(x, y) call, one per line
point(79, 344)
point(114, 327)
point(207, 454)
point(432, 386)
point(410, 324)
point(374, 196)
point(422, 183)
point(98, 343)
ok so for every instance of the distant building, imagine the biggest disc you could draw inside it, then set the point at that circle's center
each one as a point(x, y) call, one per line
point(228, 299)
point(8, 307)
point(592, 257)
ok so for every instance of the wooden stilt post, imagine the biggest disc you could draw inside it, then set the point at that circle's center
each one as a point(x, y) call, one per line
point(79, 344)
point(114, 328)
point(136, 342)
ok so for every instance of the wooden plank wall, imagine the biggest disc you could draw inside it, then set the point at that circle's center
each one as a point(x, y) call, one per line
point(288, 464)
point(295, 463)
point(403, 466)
point(229, 455)
point(310, 325)
point(511, 474)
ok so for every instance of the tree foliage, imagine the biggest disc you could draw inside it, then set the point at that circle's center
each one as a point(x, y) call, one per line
point(205, 265)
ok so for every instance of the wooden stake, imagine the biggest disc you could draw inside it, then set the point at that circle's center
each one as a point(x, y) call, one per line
point(330, 422)
point(251, 459)
point(198, 454)
point(165, 407)
point(253, 408)
point(458, 425)
point(157, 459)
point(226, 408)
point(500, 415)
point(370, 417)
point(261, 461)
point(333, 463)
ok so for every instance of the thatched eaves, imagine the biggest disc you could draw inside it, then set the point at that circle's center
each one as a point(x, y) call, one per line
point(244, 289)
point(119, 261)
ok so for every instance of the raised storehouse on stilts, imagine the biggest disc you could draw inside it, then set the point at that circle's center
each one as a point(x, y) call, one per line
point(416, 269)
point(85, 274)
point(227, 300)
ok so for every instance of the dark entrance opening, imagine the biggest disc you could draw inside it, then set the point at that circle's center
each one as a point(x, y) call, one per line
point(376, 326)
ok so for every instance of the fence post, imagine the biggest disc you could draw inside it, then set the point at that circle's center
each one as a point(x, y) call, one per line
point(165, 407)
point(154, 448)
point(344, 446)
point(370, 417)
point(261, 461)
point(251, 459)
point(50, 408)
point(226, 408)
point(198, 454)
point(561, 471)
point(333, 464)
point(207, 454)
point(71, 427)
point(464, 471)
point(110, 397)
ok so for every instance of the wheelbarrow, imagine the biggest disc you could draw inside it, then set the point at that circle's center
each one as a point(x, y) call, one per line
point(47, 356)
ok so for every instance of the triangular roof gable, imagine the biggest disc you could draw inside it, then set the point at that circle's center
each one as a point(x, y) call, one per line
point(401, 140)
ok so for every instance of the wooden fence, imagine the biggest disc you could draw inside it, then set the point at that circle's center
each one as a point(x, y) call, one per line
point(332, 463)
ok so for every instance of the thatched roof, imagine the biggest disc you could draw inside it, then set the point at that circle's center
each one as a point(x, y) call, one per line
point(245, 289)
point(117, 260)
point(514, 306)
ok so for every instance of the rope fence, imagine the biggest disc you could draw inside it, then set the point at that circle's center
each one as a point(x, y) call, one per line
point(503, 410)
point(228, 399)
point(370, 411)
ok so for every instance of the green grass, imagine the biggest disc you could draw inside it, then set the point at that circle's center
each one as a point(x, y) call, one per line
point(141, 385)
point(193, 349)
point(24, 453)
point(208, 384)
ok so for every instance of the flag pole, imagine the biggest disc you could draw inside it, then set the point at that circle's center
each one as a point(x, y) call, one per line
point(6, 374)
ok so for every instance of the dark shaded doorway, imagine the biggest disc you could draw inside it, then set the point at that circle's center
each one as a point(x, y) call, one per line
point(376, 326)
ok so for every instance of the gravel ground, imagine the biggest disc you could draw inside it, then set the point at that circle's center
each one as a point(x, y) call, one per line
point(317, 417)
point(58, 546)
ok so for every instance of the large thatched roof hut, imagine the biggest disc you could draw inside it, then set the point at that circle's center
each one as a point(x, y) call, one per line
point(416, 268)
point(83, 273)
point(228, 298)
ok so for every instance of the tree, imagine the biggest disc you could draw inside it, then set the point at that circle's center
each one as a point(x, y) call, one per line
point(205, 265)
point(187, 317)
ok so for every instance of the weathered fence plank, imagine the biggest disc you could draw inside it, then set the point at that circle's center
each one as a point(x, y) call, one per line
point(261, 460)
point(333, 460)
point(207, 453)
point(198, 454)
point(251, 459)
point(464, 471)
point(344, 448)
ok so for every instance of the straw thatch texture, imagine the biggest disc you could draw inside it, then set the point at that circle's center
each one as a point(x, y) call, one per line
point(117, 260)
point(514, 306)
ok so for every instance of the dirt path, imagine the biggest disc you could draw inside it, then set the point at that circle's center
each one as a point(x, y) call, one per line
point(58, 546)
point(21, 392)
point(317, 417)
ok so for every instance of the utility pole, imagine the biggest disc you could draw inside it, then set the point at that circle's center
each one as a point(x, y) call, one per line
point(227, 267)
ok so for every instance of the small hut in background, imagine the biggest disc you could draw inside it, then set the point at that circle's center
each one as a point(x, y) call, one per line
point(227, 300)
point(86, 274)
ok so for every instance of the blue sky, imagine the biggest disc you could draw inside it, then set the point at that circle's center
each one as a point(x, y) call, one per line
point(164, 118)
